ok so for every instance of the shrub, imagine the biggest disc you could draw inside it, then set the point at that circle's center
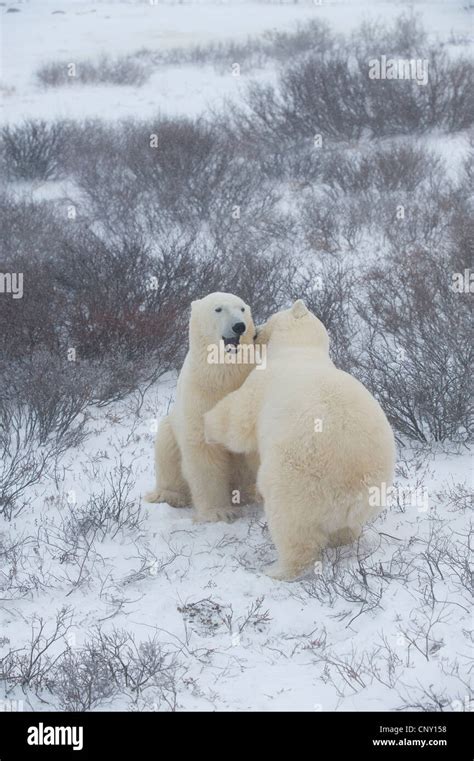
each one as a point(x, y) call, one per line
point(108, 664)
point(332, 95)
point(83, 680)
point(117, 309)
point(399, 165)
point(32, 150)
point(272, 46)
point(333, 223)
point(42, 409)
point(121, 70)
point(417, 354)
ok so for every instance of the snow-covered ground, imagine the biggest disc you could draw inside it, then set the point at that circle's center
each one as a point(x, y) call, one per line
point(384, 625)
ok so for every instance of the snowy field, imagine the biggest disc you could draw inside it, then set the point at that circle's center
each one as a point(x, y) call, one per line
point(69, 30)
point(383, 625)
point(91, 574)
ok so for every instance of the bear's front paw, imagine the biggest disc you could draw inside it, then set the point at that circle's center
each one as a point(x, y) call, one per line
point(225, 514)
point(172, 498)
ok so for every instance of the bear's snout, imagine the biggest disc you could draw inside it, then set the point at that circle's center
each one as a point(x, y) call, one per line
point(239, 328)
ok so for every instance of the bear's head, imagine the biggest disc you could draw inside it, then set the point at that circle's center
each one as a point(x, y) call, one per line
point(220, 319)
point(294, 327)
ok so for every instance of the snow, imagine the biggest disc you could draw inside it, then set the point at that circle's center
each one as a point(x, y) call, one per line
point(86, 30)
point(295, 659)
point(242, 641)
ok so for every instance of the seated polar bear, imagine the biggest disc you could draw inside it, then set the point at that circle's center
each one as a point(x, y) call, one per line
point(323, 441)
point(188, 470)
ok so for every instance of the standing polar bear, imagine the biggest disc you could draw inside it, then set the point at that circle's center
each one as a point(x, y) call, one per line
point(323, 441)
point(188, 470)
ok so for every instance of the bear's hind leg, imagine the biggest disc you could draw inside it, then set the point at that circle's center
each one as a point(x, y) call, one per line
point(344, 536)
point(298, 545)
point(171, 486)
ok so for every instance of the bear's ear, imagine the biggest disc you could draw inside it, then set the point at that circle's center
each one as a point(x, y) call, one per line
point(194, 304)
point(299, 309)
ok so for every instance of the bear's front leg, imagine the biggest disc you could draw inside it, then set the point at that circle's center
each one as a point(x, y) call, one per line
point(170, 484)
point(206, 468)
point(233, 421)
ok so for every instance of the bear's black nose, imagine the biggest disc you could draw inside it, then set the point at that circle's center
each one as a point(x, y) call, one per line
point(239, 328)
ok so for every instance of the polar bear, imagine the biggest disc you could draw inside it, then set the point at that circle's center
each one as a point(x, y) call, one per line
point(323, 440)
point(220, 357)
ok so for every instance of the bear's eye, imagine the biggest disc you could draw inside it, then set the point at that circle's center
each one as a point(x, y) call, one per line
point(219, 309)
point(243, 309)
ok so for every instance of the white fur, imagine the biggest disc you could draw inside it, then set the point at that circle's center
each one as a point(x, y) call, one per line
point(315, 484)
point(188, 469)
